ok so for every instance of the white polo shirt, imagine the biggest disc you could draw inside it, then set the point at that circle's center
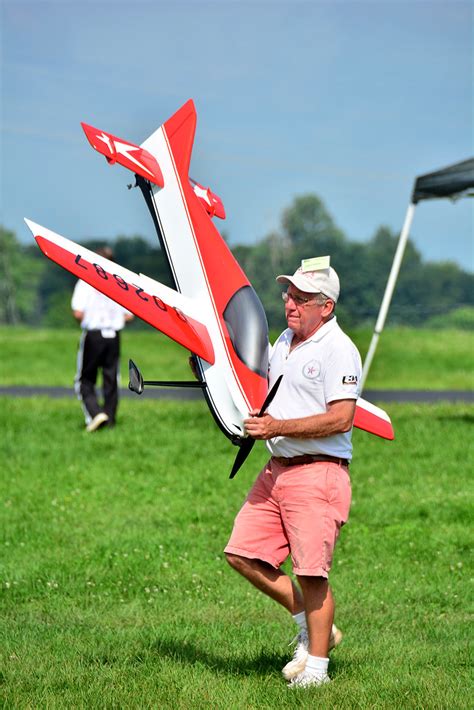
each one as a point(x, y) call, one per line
point(100, 312)
point(324, 368)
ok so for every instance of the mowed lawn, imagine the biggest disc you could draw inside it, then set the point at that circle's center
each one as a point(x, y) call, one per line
point(406, 358)
point(115, 592)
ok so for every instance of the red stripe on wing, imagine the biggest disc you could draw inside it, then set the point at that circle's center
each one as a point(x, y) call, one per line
point(186, 331)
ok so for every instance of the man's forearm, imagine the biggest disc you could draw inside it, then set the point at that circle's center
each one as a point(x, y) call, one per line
point(314, 427)
point(338, 419)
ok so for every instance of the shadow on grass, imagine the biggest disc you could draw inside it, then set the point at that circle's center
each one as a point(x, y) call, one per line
point(456, 417)
point(186, 652)
point(265, 663)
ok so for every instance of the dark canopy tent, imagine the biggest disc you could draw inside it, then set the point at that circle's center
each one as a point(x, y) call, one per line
point(454, 181)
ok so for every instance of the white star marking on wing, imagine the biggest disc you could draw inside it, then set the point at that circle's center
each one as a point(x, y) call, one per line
point(106, 139)
point(123, 148)
point(201, 192)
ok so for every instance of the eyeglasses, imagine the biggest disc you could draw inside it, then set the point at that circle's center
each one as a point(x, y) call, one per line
point(297, 300)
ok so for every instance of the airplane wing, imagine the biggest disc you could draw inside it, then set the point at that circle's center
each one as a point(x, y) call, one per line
point(142, 296)
point(373, 419)
point(130, 156)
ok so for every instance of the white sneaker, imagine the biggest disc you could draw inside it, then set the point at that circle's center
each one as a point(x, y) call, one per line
point(98, 421)
point(300, 656)
point(298, 662)
point(335, 637)
point(307, 680)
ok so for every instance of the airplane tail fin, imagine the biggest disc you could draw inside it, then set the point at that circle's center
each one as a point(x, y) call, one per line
point(180, 130)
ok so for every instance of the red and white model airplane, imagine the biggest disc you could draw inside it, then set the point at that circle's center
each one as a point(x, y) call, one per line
point(213, 309)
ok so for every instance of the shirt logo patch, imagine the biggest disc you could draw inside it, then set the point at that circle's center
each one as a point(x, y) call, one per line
point(349, 380)
point(311, 369)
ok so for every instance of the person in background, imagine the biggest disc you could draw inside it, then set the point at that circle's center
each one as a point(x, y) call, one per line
point(101, 321)
point(302, 496)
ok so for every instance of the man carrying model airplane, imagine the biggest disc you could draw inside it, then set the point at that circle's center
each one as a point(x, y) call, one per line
point(302, 497)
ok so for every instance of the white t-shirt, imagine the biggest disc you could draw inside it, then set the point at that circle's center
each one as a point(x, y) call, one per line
point(100, 312)
point(324, 368)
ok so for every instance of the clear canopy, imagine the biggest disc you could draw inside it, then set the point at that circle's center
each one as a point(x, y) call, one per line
point(248, 329)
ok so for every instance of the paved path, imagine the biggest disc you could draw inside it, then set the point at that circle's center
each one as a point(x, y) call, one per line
point(59, 392)
point(187, 394)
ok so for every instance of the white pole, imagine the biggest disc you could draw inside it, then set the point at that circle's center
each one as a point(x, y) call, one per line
point(392, 280)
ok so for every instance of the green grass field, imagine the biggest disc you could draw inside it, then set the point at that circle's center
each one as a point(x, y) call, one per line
point(406, 358)
point(115, 593)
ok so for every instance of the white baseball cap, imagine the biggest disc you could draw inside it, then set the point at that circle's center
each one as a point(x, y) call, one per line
point(314, 280)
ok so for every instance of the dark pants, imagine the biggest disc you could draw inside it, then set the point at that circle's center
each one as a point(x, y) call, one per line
point(97, 352)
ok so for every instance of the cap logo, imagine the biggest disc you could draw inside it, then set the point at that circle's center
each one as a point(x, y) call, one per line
point(317, 263)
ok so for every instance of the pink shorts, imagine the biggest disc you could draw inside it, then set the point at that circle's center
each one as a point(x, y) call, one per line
point(297, 510)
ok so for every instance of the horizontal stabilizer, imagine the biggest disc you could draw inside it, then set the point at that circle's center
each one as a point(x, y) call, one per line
point(128, 289)
point(373, 419)
point(210, 201)
point(130, 156)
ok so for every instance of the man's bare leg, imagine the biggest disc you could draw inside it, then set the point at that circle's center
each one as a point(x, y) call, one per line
point(270, 581)
point(319, 608)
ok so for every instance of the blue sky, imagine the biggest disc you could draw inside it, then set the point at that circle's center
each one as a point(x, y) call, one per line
point(350, 100)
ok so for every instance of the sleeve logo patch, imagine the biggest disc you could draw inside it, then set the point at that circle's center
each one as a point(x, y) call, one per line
point(349, 380)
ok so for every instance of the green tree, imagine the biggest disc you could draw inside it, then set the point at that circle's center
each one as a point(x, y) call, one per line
point(20, 274)
point(307, 224)
point(35, 290)
point(422, 290)
point(408, 298)
point(54, 293)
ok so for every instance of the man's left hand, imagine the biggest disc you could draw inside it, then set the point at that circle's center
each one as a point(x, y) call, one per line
point(264, 427)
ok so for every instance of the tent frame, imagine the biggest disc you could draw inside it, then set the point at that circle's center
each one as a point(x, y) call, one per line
point(389, 289)
point(455, 181)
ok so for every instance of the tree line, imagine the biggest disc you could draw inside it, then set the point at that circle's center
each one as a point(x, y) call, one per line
point(35, 291)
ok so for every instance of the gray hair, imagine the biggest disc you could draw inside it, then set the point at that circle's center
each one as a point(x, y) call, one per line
point(321, 298)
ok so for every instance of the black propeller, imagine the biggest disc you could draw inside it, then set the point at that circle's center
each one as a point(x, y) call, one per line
point(247, 444)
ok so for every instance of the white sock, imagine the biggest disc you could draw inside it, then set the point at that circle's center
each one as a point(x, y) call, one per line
point(300, 619)
point(315, 665)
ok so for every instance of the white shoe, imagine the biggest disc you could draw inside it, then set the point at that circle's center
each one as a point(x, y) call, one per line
point(298, 662)
point(300, 656)
point(335, 637)
point(98, 421)
point(307, 680)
